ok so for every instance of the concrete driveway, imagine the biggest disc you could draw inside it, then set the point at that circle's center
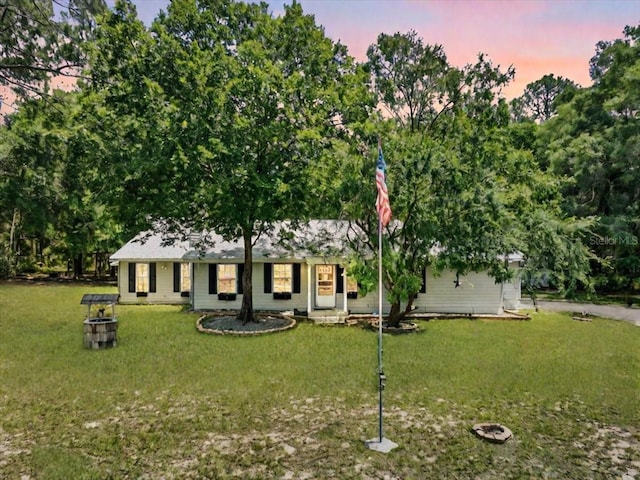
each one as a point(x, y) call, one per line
point(617, 312)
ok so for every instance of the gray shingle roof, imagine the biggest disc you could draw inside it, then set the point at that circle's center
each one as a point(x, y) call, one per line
point(151, 246)
point(315, 239)
point(318, 238)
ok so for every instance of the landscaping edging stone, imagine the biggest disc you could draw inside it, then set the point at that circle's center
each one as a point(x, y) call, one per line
point(248, 332)
point(405, 327)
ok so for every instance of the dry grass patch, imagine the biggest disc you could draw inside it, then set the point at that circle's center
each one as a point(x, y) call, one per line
point(178, 437)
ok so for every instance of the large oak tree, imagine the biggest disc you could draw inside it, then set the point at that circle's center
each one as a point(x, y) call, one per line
point(217, 112)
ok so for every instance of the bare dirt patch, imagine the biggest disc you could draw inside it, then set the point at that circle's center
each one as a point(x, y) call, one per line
point(178, 437)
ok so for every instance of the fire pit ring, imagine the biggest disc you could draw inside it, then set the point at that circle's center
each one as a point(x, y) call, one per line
point(492, 432)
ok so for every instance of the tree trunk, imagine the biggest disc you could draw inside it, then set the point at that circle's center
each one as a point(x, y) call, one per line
point(12, 232)
point(13, 244)
point(409, 306)
point(39, 249)
point(246, 310)
point(78, 270)
point(396, 316)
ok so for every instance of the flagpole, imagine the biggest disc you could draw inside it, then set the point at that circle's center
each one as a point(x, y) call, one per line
point(381, 377)
point(381, 444)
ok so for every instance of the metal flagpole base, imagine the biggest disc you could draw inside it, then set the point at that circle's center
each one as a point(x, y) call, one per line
point(383, 446)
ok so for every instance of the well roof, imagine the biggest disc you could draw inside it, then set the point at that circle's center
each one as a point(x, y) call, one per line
point(99, 298)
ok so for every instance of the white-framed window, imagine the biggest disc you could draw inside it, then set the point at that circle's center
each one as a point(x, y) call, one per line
point(185, 277)
point(282, 278)
point(142, 277)
point(227, 274)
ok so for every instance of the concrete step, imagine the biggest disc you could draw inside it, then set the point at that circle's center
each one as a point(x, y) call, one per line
point(327, 316)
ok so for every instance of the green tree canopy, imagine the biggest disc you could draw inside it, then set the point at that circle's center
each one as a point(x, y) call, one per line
point(464, 196)
point(47, 183)
point(42, 39)
point(539, 100)
point(225, 107)
point(594, 143)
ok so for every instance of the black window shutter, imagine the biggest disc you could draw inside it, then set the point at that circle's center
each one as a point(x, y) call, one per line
point(152, 277)
point(132, 277)
point(340, 280)
point(213, 278)
point(239, 272)
point(296, 277)
point(423, 289)
point(267, 277)
point(176, 277)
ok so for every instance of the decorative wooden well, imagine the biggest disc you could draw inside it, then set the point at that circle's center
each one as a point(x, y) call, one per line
point(100, 326)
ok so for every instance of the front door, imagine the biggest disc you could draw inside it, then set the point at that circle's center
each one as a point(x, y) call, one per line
point(325, 286)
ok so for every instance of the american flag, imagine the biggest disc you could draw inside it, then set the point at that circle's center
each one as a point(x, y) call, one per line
point(382, 203)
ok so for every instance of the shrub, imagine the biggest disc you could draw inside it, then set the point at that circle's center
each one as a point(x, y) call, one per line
point(5, 266)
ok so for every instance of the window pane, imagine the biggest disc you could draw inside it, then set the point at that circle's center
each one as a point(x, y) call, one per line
point(142, 277)
point(282, 277)
point(227, 278)
point(185, 277)
point(325, 280)
point(352, 285)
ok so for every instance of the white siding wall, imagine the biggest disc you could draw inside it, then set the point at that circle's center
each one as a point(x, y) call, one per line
point(512, 289)
point(261, 301)
point(366, 304)
point(164, 286)
point(477, 293)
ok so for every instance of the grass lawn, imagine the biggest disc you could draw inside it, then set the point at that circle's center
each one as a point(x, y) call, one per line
point(170, 402)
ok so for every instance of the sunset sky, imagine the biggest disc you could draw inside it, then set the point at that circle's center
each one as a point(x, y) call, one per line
point(535, 36)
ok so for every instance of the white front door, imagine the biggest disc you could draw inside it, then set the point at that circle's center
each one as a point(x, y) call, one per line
point(325, 286)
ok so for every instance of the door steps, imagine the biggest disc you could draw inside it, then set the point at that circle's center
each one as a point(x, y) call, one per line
point(327, 316)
